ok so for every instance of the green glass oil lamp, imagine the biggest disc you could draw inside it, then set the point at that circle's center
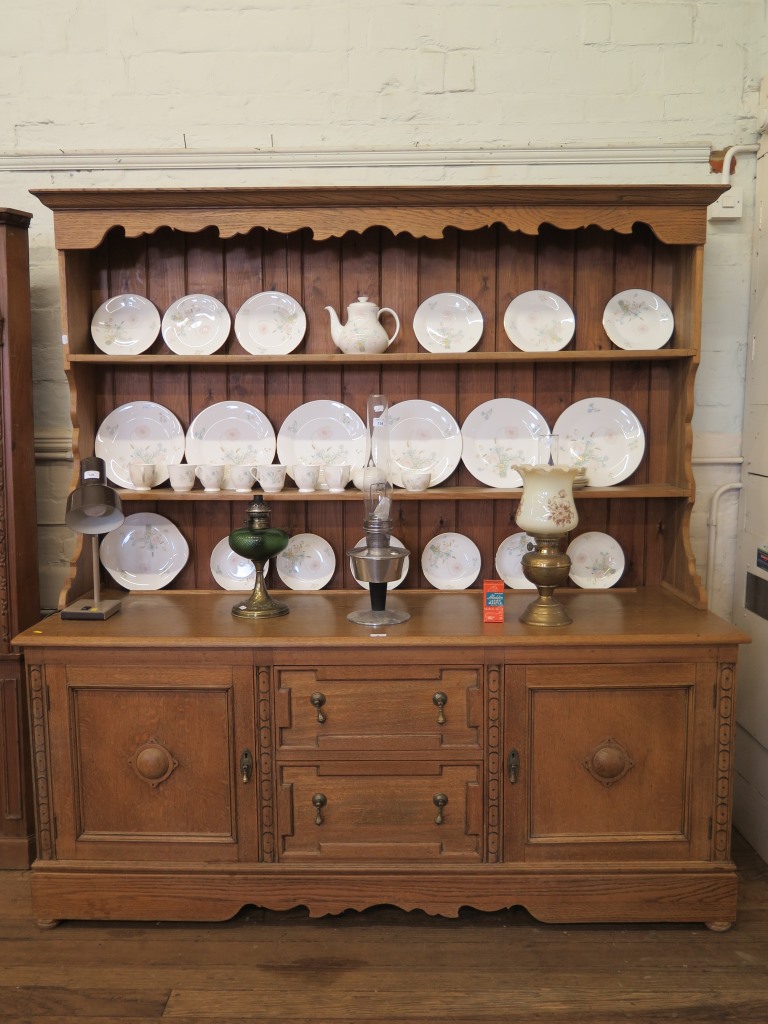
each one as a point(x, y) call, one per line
point(258, 541)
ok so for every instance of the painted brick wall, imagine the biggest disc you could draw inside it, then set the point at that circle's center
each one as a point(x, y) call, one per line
point(223, 75)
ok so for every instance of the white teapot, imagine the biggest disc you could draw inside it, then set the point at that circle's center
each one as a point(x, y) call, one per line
point(362, 332)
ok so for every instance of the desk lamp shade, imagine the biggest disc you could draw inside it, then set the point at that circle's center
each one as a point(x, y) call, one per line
point(93, 508)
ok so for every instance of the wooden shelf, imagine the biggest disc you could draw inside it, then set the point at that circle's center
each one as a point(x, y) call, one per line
point(391, 359)
point(479, 493)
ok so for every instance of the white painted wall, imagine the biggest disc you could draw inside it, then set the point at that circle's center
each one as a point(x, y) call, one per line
point(132, 95)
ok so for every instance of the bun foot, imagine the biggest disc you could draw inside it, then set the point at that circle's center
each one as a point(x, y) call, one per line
point(719, 926)
point(47, 923)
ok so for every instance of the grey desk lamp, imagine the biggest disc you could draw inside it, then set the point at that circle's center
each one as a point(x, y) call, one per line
point(93, 508)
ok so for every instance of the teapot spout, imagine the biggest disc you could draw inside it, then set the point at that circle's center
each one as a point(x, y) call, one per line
point(335, 325)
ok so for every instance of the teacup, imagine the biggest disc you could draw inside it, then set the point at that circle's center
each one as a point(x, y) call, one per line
point(337, 477)
point(416, 479)
point(305, 477)
point(145, 475)
point(210, 476)
point(241, 478)
point(182, 476)
point(271, 478)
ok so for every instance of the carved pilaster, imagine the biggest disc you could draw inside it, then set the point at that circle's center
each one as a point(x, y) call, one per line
point(266, 765)
point(493, 690)
point(721, 832)
point(37, 707)
point(5, 597)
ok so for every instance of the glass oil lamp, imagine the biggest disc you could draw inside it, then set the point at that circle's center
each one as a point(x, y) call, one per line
point(258, 541)
point(377, 563)
point(547, 512)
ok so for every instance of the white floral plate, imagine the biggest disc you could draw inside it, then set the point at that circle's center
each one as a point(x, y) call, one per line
point(270, 323)
point(394, 543)
point(603, 437)
point(230, 434)
point(451, 561)
point(307, 563)
point(230, 570)
point(637, 319)
point(125, 325)
point(498, 434)
point(539, 321)
point(138, 432)
point(448, 322)
point(196, 325)
point(597, 561)
point(323, 433)
point(145, 553)
point(509, 556)
point(423, 435)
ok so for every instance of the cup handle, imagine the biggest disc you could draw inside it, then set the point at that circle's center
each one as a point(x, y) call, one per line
point(386, 309)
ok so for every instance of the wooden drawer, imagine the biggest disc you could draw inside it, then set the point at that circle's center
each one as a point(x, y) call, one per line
point(387, 707)
point(384, 811)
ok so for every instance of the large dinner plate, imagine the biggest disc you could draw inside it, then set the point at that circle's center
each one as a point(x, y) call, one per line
point(323, 433)
point(509, 561)
point(451, 561)
point(125, 325)
point(138, 432)
point(423, 435)
point(603, 437)
point(270, 323)
point(597, 561)
point(307, 563)
point(498, 434)
point(196, 325)
point(448, 322)
point(145, 553)
point(230, 434)
point(539, 321)
point(637, 319)
point(230, 570)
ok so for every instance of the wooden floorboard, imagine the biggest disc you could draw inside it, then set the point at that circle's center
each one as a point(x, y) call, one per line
point(384, 966)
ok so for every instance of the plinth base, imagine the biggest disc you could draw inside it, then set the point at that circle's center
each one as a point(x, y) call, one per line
point(545, 611)
point(374, 617)
point(261, 611)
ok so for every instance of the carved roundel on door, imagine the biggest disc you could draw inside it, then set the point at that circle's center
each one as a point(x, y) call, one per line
point(153, 762)
point(609, 762)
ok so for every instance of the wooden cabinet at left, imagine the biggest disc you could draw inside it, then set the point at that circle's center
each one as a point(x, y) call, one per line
point(19, 589)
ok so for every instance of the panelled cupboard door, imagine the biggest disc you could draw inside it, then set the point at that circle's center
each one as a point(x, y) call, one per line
point(145, 760)
point(615, 761)
point(386, 811)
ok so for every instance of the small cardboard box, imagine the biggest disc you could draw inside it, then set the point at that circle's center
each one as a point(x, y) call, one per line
point(493, 601)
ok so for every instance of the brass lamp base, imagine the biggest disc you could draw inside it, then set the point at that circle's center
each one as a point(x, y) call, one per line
point(547, 567)
point(260, 605)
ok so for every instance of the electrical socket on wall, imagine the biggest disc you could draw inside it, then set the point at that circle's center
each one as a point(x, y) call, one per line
point(728, 206)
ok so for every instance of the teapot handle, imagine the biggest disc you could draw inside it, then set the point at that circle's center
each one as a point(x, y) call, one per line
point(386, 309)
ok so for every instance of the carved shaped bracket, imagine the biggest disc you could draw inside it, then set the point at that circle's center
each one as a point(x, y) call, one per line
point(153, 763)
point(608, 762)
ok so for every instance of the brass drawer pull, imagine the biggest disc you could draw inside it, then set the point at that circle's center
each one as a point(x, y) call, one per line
point(440, 700)
point(319, 800)
point(317, 700)
point(439, 800)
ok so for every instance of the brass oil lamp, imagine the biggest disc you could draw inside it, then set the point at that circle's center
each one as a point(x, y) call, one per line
point(547, 512)
point(258, 542)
